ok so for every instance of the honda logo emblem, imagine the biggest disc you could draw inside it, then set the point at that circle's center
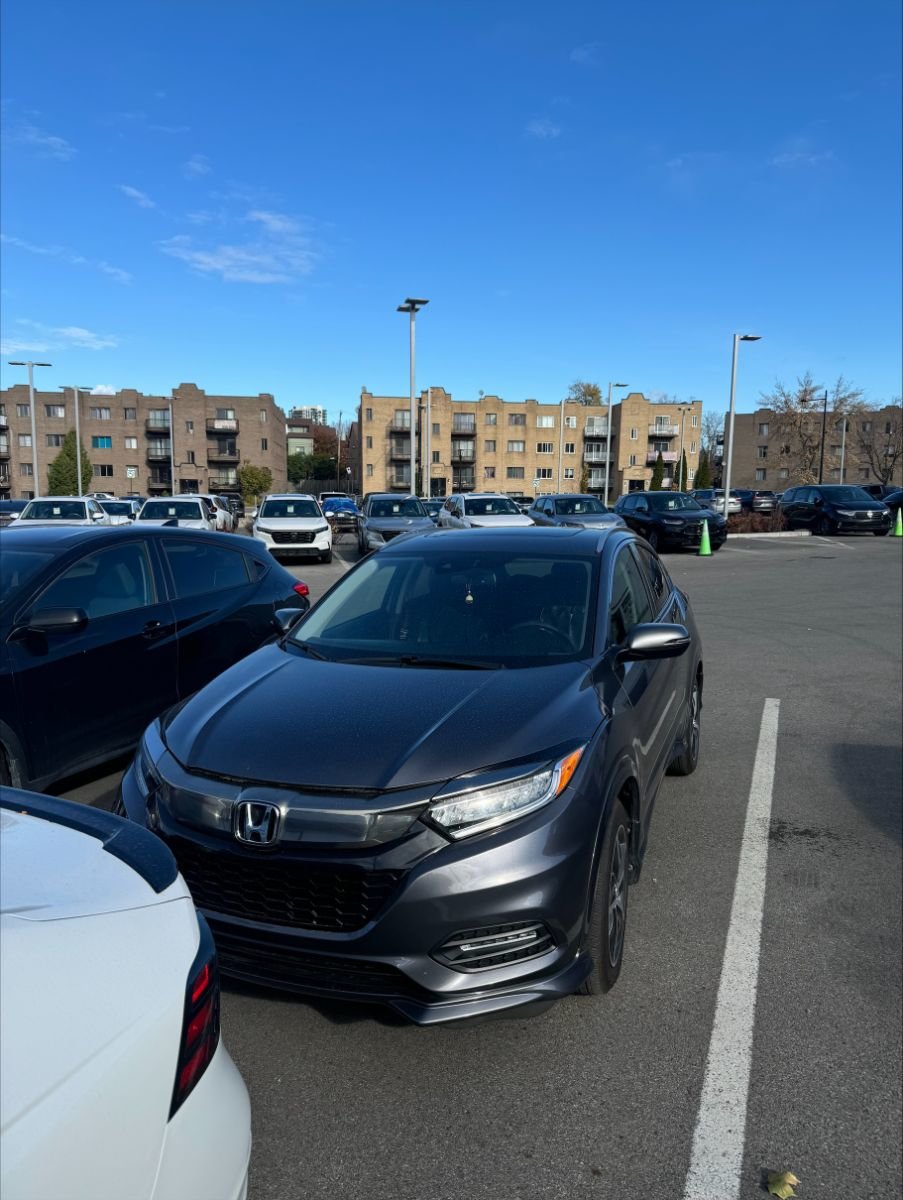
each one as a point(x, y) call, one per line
point(255, 822)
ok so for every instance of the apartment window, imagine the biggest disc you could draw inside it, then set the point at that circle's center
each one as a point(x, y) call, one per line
point(101, 443)
point(570, 447)
point(369, 444)
point(890, 427)
point(189, 426)
point(785, 449)
point(24, 439)
point(863, 472)
point(515, 473)
point(570, 422)
point(55, 439)
point(691, 475)
point(263, 443)
point(517, 419)
point(692, 447)
point(99, 414)
point(569, 472)
point(516, 447)
point(130, 414)
point(784, 473)
point(26, 469)
point(368, 415)
point(263, 416)
point(369, 470)
point(436, 429)
point(131, 443)
point(544, 473)
point(761, 452)
point(103, 470)
point(631, 462)
point(23, 410)
point(634, 434)
point(489, 472)
point(545, 422)
point(694, 421)
point(760, 474)
point(57, 411)
point(189, 456)
point(402, 418)
point(436, 458)
point(492, 419)
point(545, 447)
point(763, 429)
point(464, 423)
point(865, 426)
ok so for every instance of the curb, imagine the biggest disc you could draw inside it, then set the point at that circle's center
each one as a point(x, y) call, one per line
point(786, 533)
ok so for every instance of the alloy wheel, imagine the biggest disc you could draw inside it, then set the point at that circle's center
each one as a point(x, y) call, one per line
point(617, 900)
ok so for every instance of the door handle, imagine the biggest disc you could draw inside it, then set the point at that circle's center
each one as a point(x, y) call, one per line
point(153, 629)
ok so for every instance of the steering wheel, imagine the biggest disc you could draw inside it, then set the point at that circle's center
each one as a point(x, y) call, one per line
point(549, 630)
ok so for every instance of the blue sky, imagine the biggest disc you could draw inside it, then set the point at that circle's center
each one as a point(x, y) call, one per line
point(240, 194)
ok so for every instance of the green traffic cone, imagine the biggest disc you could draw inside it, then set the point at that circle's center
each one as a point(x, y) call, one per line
point(705, 546)
point(898, 526)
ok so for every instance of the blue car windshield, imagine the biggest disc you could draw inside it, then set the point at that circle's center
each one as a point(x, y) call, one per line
point(410, 506)
point(670, 501)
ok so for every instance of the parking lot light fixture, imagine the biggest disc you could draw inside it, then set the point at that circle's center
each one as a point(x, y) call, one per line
point(78, 435)
point(411, 306)
point(34, 434)
point(726, 480)
point(608, 437)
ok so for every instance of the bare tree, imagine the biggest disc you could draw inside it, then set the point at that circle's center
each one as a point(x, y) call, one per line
point(712, 425)
point(798, 421)
point(581, 392)
point(878, 441)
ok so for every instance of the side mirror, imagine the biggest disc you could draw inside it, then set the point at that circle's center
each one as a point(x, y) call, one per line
point(55, 620)
point(97, 516)
point(645, 642)
point(818, 500)
point(285, 619)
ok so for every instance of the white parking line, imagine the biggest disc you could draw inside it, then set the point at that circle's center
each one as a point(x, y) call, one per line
point(823, 541)
point(717, 1160)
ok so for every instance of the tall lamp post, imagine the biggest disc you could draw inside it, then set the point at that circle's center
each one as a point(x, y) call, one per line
point(824, 423)
point(608, 437)
point(34, 433)
point(683, 409)
point(412, 306)
point(78, 432)
point(726, 480)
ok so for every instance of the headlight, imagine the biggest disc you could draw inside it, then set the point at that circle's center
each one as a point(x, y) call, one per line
point(262, 529)
point(486, 808)
point(671, 521)
point(845, 512)
point(321, 528)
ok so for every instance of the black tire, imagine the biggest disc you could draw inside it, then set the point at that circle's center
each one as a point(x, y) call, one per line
point(822, 527)
point(5, 773)
point(686, 763)
point(326, 556)
point(880, 532)
point(608, 916)
point(653, 539)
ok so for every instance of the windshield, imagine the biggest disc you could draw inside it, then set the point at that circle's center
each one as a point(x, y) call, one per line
point(169, 510)
point(838, 493)
point(118, 509)
point(54, 510)
point(339, 506)
point(670, 501)
point(489, 506)
point(578, 506)
point(288, 508)
point(409, 506)
point(18, 564)
point(490, 608)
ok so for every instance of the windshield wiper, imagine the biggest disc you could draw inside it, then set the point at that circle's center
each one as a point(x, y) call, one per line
point(420, 660)
point(308, 649)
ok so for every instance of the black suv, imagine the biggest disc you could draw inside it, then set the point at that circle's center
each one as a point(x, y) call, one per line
point(834, 508)
point(670, 520)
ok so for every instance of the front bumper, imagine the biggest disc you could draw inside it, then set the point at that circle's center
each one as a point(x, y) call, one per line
point(320, 543)
point(863, 524)
point(537, 869)
point(690, 536)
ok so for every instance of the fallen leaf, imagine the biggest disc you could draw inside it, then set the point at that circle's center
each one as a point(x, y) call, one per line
point(781, 1184)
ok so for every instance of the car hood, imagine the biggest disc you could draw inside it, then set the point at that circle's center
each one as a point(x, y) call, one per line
point(283, 718)
point(875, 506)
point(588, 519)
point(685, 515)
point(511, 520)
point(290, 524)
point(30, 523)
point(398, 524)
point(182, 522)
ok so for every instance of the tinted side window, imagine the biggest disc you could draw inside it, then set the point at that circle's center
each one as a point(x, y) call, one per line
point(629, 600)
point(198, 568)
point(108, 582)
point(655, 576)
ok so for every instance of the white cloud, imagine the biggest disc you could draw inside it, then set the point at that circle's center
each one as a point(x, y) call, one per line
point(801, 158)
point(196, 166)
point(140, 198)
point(170, 128)
point(47, 145)
point(279, 253)
point(17, 346)
point(103, 389)
point(46, 338)
point(543, 128)
point(276, 223)
point(68, 256)
point(586, 55)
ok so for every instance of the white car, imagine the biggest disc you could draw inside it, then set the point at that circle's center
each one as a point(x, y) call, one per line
point(114, 1081)
point(63, 510)
point(120, 512)
point(222, 513)
point(481, 510)
point(293, 524)
point(101, 495)
point(189, 511)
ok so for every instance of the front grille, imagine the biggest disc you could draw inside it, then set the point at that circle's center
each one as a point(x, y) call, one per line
point(283, 537)
point(494, 946)
point(334, 899)
point(272, 959)
point(388, 534)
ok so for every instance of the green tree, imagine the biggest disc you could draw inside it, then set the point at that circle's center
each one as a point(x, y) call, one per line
point(703, 471)
point(323, 466)
point(62, 475)
point(254, 481)
point(680, 481)
point(298, 467)
point(584, 479)
point(658, 474)
point(581, 392)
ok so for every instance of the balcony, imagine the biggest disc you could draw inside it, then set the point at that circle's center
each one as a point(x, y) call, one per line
point(400, 423)
point(159, 453)
point(400, 451)
point(463, 481)
point(596, 427)
point(668, 456)
point(223, 456)
point(157, 484)
point(463, 456)
point(593, 454)
point(4, 448)
point(156, 425)
point(401, 481)
point(664, 430)
point(4, 421)
point(4, 483)
point(218, 482)
point(463, 426)
point(222, 425)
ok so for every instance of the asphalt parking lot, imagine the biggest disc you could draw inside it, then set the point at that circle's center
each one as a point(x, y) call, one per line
point(602, 1098)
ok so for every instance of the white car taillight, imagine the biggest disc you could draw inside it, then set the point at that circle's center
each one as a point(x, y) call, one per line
point(200, 1025)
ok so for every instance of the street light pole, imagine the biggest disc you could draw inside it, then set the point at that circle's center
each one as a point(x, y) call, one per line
point(608, 437)
point(78, 434)
point(34, 431)
point(429, 443)
point(683, 410)
point(172, 453)
point(843, 447)
point(411, 307)
point(824, 422)
point(726, 480)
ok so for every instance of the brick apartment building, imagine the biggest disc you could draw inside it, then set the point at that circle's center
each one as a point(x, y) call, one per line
point(129, 441)
point(522, 448)
point(761, 460)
